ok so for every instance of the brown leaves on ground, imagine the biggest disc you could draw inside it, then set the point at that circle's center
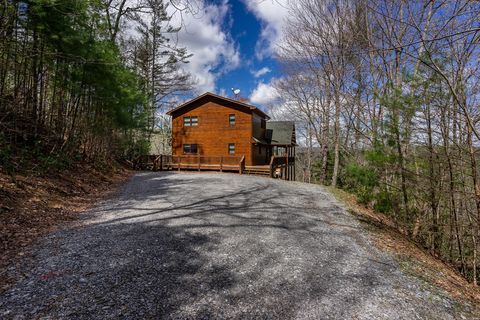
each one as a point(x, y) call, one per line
point(414, 259)
point(32, 206)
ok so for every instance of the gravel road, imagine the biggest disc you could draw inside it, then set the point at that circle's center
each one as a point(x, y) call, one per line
point(217, 246)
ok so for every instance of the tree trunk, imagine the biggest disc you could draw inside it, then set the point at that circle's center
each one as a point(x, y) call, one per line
point(336, 160)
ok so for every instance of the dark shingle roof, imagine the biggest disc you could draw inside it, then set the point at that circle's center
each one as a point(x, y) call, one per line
point(281, 133)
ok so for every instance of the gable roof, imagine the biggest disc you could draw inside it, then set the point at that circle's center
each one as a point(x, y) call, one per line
point(211, 97)
point(281, 133)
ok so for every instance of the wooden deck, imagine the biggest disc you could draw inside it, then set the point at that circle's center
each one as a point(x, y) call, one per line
point(280, 166)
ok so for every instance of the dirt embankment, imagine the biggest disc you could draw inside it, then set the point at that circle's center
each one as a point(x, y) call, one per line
point(31, 205)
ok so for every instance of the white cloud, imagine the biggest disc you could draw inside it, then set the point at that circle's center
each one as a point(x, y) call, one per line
point(214, 52)
point(260, 72)
point(265, 94)
point(272, 14)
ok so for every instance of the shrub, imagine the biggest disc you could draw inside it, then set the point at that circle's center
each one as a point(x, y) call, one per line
point(384, 202)
point(361, 180)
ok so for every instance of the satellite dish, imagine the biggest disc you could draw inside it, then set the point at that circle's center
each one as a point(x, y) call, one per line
point(236, 92)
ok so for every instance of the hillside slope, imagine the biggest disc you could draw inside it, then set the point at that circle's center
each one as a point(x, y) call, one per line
point(32, 205)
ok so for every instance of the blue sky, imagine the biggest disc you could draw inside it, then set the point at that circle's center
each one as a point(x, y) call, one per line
point(245, 31)
point(233, 43)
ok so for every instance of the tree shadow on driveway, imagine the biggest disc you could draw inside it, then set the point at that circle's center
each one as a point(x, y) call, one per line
point(131, 270)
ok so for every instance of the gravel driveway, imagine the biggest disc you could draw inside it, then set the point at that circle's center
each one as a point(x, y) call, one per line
point(217, 246)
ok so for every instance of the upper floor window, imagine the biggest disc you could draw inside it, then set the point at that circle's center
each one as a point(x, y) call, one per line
point(190, 148)
point(231, 119)
point(190, 121)
point(231, 148)
point(194, 121)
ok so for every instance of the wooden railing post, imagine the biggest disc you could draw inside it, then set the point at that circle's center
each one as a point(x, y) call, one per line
point(294, 164)
point(287, 166)
point(272, 168)
point(198, 162)
point(178, 162)
point(221, 163)
point(241, 165)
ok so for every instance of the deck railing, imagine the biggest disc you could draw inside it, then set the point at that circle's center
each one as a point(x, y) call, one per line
point(279, 166)
point(198, 162)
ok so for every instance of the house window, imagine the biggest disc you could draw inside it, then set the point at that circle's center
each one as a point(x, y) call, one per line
point(190, 121)
point(231, 119)
point(194, 121)
point(231, 148)
point(190, 148)
point(263, 124)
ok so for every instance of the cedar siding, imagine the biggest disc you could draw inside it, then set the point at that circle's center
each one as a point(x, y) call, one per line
point(213, 133)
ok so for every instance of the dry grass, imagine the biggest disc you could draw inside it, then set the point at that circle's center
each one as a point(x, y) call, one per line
point(32, 206)
point(413, 258)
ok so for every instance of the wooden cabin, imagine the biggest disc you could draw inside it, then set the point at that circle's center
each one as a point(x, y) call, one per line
point(215, 132)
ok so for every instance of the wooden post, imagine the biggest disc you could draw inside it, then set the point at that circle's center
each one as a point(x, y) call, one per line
point(178, 163)
point(161, 162)
point(294, 164)
point(289, 163)
point(221, 163)
point(198, 162)
point(287, 166)
point(242, 163)
point(272, 169)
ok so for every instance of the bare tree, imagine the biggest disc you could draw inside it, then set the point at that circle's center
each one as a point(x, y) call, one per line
point(395, 84)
